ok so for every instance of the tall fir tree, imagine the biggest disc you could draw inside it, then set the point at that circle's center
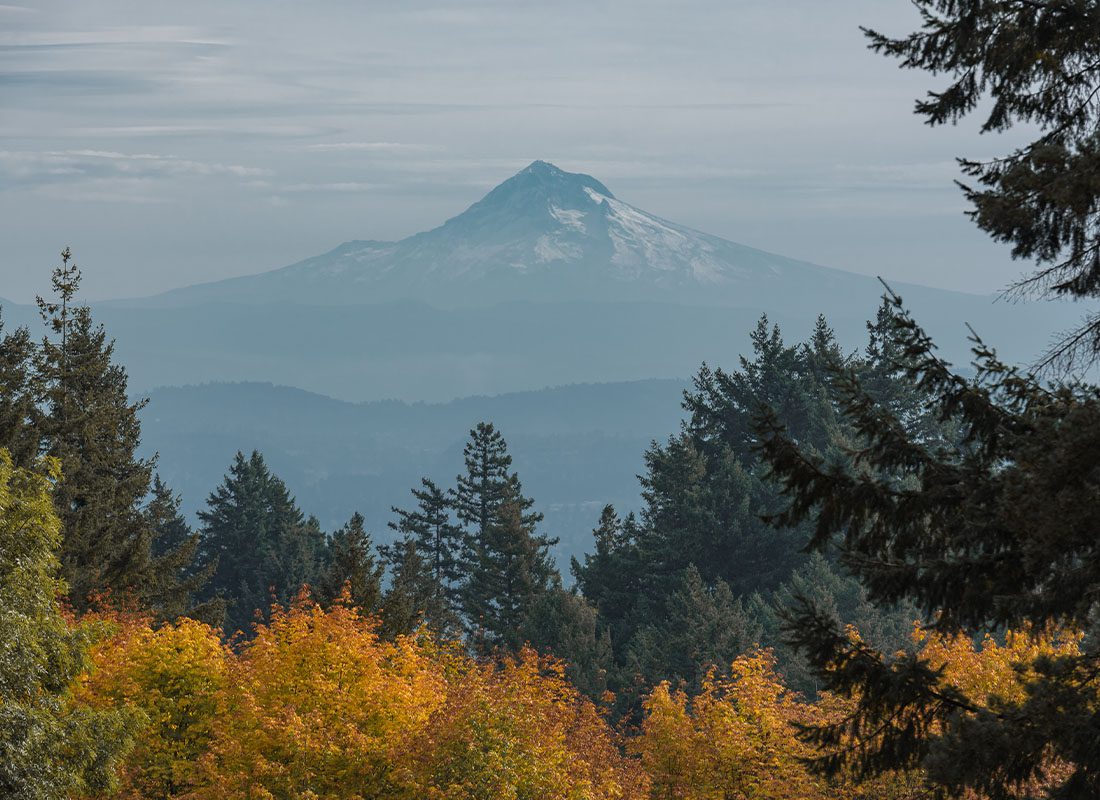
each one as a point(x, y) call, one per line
point(90, 425)
point(997, 532)
point(488, 484)
point(440, 543)
point(258, 542)
point(352, 565)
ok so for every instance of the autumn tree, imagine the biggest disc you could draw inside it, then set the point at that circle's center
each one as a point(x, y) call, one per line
point(317, 705)
point(738, 737)
point(172, 677)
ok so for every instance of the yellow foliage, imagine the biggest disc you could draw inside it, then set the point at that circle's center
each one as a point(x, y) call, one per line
point(317, 705)
point(173, 676)
point(993, 671)
point(735, 739)
point(519, 731)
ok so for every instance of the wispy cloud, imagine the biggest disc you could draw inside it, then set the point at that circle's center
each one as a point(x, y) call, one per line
point(335, 186)
point(28, 165)
point(373, 147)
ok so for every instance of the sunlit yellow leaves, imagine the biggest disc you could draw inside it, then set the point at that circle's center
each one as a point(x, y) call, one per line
point(173, 676)
point(735, 739)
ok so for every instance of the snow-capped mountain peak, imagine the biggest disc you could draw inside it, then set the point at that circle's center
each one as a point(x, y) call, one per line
point(544, 233)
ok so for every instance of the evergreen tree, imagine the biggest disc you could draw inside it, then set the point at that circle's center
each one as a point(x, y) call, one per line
point(50, 747)
point(1036, 63)
point(260, 546)
point(564, 625)
point(702, 626)
point(997, 532)
point(610, 579)
point(786, 378)
point(440, 543)
point(507, 563)
point(351, 563)
point(411, 599)
point(839, 595)
point(20, 388)
point(175, 579)
point(92, 428)
point(487, 484)
point(510, 567)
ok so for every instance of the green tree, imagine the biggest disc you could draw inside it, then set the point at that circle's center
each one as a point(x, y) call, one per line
point(488, 485)
point(260, 545)
point(440, 543)
point(175, 578)
point(510, 567)
point(50, 747)
point(610, 579)
point(565, 625)
point(20, 389)
point(997, 532)
point(702, 626)
point(91, 426)
point(411, 599)
point(352, 563)
point(507, 562)
point(1035, 63)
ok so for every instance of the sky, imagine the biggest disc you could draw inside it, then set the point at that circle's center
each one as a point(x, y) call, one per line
point(175, 143)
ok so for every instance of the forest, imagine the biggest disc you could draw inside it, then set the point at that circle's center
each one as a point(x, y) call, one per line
point(854, 574)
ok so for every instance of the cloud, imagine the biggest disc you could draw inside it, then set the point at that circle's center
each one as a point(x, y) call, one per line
point(379, 147)
point(124, 35)
point(336, 186)
point(51, 165)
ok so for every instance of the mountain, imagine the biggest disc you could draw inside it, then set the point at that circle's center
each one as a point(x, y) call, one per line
point(542, 235)
point(548, 280)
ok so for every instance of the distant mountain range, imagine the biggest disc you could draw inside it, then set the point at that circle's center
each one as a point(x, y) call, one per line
point(575, 447)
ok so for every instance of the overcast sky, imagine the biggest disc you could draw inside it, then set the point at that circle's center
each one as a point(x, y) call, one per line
point(176, 142)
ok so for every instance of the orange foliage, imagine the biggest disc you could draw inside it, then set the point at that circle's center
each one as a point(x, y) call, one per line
point(735, 739)
point(317, 706)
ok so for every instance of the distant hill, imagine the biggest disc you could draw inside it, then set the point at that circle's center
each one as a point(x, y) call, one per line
point(575, 447)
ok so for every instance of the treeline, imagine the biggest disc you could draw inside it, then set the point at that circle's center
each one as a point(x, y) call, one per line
point(702, 652)
point(316, 704)
point(693, 581)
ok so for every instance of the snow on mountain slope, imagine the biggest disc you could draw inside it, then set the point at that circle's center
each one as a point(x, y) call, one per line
point(543, 234)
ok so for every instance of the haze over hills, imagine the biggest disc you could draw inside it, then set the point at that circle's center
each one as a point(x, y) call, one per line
point(576, 447)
